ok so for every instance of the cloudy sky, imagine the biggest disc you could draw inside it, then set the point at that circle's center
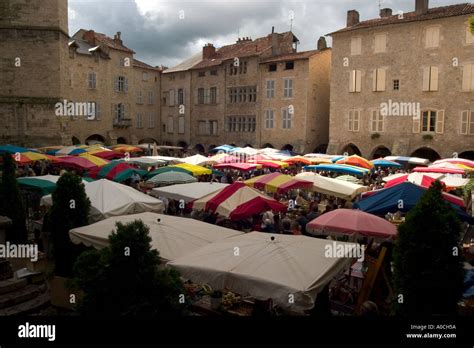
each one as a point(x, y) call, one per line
point(168, 31)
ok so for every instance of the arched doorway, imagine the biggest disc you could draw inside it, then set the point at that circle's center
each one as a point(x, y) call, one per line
point(267, 145)
point(351, 149)
point(95, 139)
point(321, 148)
point(148, 141)
point(75, 140)
point(211, 147)
point(248, 145)
point(287, 147)
point(121, 140)
point(426, 152)
point(380, 151)
point(233, 145)
point(183, 144)
point(467, 155)
point(199, 148)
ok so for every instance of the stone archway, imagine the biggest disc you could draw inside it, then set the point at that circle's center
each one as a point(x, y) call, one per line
point(321, 148)
point(95, 139)
point(199, 148)
point(121, 140)
point(351, 149)
point(287, 147)
point(148, 141)
point(426, 152)
point(467, 155)
point(380, 152)
point(267, 145)
point(75, 140)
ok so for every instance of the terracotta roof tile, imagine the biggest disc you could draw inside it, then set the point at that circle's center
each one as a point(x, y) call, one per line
point(433, 13)
point(291, 56)
point(140, 64)
point(245, 48)
point(104, 39)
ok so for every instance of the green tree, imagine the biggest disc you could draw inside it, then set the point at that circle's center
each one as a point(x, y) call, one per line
point(70, 209)
point(11, 204)
point(471, 22)
point(428, 270)
point(124, 280)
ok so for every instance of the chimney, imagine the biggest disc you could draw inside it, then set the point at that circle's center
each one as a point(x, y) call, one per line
point(208, 51)
point(117, 38)
point(322, 45)
point(352, 18)
point(275, 44)
point(89, 37)
point(385, 12)
point(421, 6)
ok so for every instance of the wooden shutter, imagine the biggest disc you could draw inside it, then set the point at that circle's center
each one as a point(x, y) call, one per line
point(426, 79)
point(471, 123)
point(172, 97)
point(116, 84)
point(374, 80)
point(356, 120)
point(196, 95)
point(380, 79)
point(125, 84)
point(434, 78)
point(217, 95)
point(465, 122)
point(439, 128)
point(351, 120)
point(467, 77)
point(184, 96)
point(352, 81)
point(181, 125)
point(358, 81)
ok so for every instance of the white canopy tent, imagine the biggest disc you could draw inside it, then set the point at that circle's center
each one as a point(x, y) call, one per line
point(450, 180)
point(198, 160)
point(329, 186)
point(249, 151)
point(172, 236)
point(266, 268)
point(188, 192)
point(109, 198)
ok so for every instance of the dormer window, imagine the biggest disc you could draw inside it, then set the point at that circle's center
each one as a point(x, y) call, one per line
point(289, 65)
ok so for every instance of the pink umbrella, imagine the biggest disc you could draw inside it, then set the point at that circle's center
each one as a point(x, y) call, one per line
point(351, 223)
point(244, 167)
point(438, 170)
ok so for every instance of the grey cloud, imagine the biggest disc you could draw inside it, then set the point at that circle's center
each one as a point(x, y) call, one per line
point(161, 37)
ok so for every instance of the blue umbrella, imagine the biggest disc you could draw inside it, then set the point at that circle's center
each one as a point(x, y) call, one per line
point(385, 163)
point(339, 168)
point(337, 158)
point(387, 201)
point(225, 148)
point(14, 149)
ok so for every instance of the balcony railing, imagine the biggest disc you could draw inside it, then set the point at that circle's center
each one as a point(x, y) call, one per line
point(122, 122)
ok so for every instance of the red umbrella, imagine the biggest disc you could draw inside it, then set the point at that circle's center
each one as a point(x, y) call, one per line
point(438, 170)
point(108, 155)
point(352, 223)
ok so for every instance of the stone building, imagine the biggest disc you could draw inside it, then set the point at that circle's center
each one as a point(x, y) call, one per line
point(34, 38)
point(404, 84)
point(41, 66)
point(124, 90)
point(228, 99)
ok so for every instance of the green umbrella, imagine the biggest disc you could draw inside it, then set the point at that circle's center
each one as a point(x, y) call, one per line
point(348, 178)
point(170, 178)
point(167, 169)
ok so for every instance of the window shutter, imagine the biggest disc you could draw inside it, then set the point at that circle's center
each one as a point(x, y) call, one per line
point(125, 89)
point(217, 95)
point(196, 96)
point(184, 97)
point(172, 97)
point(116, 84)
point(352, 81)
point(356, 120)
point(440, 122)
point(380, 79)
point(467, 77)
point(416, 123)
point(351, 119)
point(97, 111)
point(426, 79)
point(373, 121)
point(464, 122)
point(358, 81)
point(471, 123)
point(434, 78)
point(374, 80)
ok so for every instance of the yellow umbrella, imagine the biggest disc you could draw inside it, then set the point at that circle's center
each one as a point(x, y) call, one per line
point(196, 170)
point(99, 162)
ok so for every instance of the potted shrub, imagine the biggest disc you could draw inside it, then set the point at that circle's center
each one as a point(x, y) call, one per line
point(375, 136)
point(427, 137)
point(216, 299)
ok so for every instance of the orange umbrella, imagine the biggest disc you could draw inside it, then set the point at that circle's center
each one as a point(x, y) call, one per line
point(126, 148)
point(298, 159)
point(357, 161)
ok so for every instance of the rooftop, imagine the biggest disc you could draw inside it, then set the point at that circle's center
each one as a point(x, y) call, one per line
point(291, 56)
point(432, 13)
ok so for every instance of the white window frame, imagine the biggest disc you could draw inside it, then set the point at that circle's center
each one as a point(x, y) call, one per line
point(288, 87)
point(286, 119)
point(269, 119)
point(270, 89)
point(92, 80)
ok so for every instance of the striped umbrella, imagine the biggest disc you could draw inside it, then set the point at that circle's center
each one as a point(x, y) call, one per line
point(271, 164)
point(126, 148)
point(67, 151)
point(277, 182)
point(99, 162)
point(244, 167)
point(45, 184)
point(357, 161)
point(339, 168)
point(237, 201)
point(460, 161)
point(385, 163)
point(115, 171)
point(76, 162)
point(14, 149)
point(28, 157)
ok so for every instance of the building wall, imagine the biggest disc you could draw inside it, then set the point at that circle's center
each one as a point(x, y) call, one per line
point(175, 81)
point(405, 58)
point(30, 83)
